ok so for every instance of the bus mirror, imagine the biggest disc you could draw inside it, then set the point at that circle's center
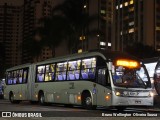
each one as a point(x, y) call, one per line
point(110, 66)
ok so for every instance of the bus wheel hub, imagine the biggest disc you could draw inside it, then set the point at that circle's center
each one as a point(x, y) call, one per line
point(88, 101)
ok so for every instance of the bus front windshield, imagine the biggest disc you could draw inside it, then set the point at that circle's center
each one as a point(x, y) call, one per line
point(130, 77)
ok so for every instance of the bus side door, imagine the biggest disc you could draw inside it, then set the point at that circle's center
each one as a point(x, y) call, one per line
point(103, 87)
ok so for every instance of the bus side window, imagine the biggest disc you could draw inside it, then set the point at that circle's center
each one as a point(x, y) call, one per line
point(40, 73)
point(9, 78)
point(49, 73)
point(73, 71)
point(88, 68)
point(25, 75)
point(61, 69)
point(20, 76)
point(15, 77)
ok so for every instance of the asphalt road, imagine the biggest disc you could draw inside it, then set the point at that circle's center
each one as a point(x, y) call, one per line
point(25, 110)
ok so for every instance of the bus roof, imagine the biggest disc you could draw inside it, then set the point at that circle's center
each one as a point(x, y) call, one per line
point(19, 66)
point(119, 55)
point(106, 55)
point(151, 60)
point(109, 55)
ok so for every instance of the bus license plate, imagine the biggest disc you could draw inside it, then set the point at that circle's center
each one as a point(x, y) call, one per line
point(133, 94)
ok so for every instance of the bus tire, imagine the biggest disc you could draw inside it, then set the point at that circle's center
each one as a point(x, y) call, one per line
point(11, 99)
point(87, 101)
point(41, 98)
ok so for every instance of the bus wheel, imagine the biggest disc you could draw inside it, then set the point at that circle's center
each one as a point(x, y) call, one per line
point(87, 101)
point(11, 98)
point(41, 99)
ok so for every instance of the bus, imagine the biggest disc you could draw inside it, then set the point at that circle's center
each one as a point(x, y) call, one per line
point(89, 79)
point(153, 66)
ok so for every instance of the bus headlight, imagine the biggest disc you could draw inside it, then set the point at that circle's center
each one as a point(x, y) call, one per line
point(117, 93)
point(151, 94)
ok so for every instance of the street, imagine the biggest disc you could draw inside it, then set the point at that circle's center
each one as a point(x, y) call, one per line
point(36, 111)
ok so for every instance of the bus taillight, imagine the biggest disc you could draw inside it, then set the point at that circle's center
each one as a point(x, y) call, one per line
point(78, 97)
point(107, 97)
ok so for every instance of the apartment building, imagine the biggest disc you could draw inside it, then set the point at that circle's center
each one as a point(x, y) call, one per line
point(10, 33)
point(102, 26)
point(136, 21)
point(34, 10)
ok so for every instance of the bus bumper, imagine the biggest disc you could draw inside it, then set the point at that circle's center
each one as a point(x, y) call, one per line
point(130, 101)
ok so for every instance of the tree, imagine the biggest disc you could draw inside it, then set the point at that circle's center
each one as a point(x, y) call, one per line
point(67, 22)
point(50, 33)
point(53, 31)
point(78, 20)
point(33, 45)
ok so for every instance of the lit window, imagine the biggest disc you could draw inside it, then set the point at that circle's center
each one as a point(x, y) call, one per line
point(121, 5)
point(121, 33)
point(117, 7)
point(109, 44)
point(103, 12)
point(157, 28)
point(131, 2)
point(126, 4)
point(131, 30)
point(131, 9)
point(131, 23)
point(80, 51)
point(103, 43)
point(82, 38)
point(102, 48)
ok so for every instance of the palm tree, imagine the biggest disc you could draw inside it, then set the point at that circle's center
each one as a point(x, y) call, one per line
point(50, 33)
point(33, 46)
point(63, 24)
point(78, 20)
point(53, 31)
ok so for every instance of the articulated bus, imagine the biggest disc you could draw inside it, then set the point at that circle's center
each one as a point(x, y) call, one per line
point(90, 79)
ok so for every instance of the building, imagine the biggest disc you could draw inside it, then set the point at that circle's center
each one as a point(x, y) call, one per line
point(120, 23)
point(10, 33)
point(36, 9)
point(136, 21)
point(33, 11)
point(102, 27)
